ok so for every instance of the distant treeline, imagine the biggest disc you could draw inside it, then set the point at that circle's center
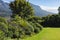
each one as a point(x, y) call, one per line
point(51, 21)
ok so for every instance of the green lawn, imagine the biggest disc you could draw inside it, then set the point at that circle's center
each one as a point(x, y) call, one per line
point(46, 34)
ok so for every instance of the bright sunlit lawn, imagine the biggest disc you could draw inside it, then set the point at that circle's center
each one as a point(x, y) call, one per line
point(46, 34)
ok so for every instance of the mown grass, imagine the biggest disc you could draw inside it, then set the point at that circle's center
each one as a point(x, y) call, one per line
point(46, 34)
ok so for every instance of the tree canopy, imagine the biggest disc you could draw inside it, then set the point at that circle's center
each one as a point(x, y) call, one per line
point(21, 8)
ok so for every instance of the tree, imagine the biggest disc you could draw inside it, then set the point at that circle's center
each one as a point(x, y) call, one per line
point(22, 14)
point(59, 10)
point(21, 8)
point(51, 21)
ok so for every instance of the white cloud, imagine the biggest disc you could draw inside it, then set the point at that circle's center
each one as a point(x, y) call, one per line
point(50, 9)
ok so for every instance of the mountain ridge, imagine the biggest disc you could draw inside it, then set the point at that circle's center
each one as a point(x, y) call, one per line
point(5, 11)
point(40, 12)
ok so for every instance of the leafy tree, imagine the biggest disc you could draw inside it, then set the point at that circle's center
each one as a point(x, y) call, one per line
point(22, 14)
point(21, 8)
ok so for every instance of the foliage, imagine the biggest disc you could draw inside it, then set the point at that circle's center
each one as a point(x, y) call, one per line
point(2, 19)
point(2, 35)
point(51, 21)
point(21, 8)
point(22, 23)
point(23, 19)
point(35, 22)
point(18, 27)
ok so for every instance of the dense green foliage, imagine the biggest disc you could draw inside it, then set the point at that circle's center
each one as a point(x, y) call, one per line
point(51, 21)
point(23, 23)
point(21, 8)
point(18, 27)
point(22, 12)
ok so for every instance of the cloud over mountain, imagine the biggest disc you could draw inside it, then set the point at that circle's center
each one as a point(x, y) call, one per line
point(50, 9)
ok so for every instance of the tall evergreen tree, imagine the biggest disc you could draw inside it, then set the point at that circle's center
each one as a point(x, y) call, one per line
point(21, 8)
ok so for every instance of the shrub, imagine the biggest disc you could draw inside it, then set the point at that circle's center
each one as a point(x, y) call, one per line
point(3, 27)
point(18, 27)
point(37, 27)
point(2, 35)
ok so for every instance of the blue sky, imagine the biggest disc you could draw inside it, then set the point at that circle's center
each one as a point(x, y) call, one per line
point(48, 5)
point(46, 2)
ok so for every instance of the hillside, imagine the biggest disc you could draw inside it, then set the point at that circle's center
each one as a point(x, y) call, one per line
point(5, 11)
point(40, 12)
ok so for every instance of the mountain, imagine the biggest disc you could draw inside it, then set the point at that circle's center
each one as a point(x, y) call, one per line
point(40, 12)
point(5, 11)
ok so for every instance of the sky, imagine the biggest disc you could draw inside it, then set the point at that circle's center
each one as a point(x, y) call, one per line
point(48, 5)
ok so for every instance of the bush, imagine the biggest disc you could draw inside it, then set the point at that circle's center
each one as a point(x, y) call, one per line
point(18, 27)
point(37, 27)
point(2, 19)
point(2, 35)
